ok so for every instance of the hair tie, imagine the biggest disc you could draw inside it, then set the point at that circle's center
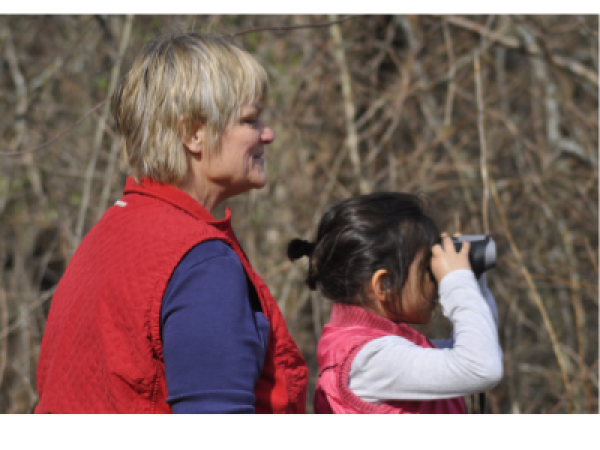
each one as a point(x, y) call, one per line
point(298, 248)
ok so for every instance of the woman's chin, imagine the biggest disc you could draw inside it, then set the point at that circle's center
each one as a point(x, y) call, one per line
point(258, 180)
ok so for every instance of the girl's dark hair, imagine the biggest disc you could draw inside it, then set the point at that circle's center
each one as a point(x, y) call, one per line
point(360, 235)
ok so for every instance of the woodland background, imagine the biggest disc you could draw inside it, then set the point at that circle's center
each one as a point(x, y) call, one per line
point(493, 118)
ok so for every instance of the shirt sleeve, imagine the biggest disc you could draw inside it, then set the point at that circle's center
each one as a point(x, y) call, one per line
point(214, 335)
point(489, 299)
point(393, 368)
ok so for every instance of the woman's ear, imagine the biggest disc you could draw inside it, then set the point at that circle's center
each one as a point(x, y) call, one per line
point(194, 142)
point(380, 286)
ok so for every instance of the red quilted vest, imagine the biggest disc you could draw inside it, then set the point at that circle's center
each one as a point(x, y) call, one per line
point(348, 330)
point(101, 351)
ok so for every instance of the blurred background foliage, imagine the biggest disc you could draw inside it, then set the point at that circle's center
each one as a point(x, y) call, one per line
point(494, 119)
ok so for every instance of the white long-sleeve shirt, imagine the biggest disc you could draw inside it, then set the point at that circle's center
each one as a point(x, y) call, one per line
point(393, 368)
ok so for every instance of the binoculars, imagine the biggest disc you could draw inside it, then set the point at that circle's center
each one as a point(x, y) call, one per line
point(482, 254)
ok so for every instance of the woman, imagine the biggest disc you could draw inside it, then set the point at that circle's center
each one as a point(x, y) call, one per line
point(159, 309)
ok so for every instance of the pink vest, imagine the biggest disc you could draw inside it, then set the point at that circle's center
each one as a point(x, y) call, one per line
point(349, 329)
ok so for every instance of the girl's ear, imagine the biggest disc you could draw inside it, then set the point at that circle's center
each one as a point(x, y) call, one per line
point(381, 295)
point(380, 286)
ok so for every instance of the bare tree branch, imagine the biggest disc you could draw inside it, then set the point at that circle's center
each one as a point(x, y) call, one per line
point(58, 136)
point(349, 110)
point(114, 78)
point(482, 143)
point(290, 27)
point(512, 42)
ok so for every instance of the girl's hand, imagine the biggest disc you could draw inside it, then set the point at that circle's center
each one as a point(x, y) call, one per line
point(445, 260)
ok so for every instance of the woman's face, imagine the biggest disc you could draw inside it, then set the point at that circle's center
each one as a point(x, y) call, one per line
point(240, 166)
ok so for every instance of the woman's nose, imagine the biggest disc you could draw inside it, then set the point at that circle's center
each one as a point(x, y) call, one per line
point(267, 135)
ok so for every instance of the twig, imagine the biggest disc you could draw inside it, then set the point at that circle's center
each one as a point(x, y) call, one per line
point(594, 374)
point(44, 296)
point(464, 60)
point(564, 397)
point(20, 112)
point(349, 110)
point(451, 74)
point(60, 61)
point(396, 111)
point(511, 127)
point(374, 107)
point(58, 136)
point(21, 90)
point(392, 171)
point(294, 317)
point(587, 29)
point(325, 195)
point(316, 314)
point(385, 48)
point(556, 280)
point(20, 86)
point(540, 74)
point(302, 75)
point(552, 111)
point(285, 291)
point(3, 326)
point(534, 293)
point(290, 27)
point(512, 42)
point(108, 174)
point(513, 308)
point(593, 257)
point(46, 74)
point(114, 77)
point(331, 181)
point(578, 308)
point(482, 143)
point(428, 106)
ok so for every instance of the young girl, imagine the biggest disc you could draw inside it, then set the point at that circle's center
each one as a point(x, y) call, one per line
point(376, 258)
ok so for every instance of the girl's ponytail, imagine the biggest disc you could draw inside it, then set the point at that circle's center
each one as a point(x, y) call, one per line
point(298, 248)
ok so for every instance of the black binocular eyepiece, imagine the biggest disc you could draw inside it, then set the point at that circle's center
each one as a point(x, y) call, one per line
point(482, 254)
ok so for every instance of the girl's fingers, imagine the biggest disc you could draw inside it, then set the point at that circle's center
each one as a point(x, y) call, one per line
point(448, 244)
point(437, 250)
point(446, 259)
point(438, 246)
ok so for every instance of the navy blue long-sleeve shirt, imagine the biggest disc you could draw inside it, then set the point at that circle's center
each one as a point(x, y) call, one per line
point(214, 333)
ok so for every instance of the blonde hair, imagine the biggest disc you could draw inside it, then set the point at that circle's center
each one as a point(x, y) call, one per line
point(177, 83)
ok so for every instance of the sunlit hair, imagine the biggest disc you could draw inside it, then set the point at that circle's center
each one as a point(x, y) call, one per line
point(178, 82)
